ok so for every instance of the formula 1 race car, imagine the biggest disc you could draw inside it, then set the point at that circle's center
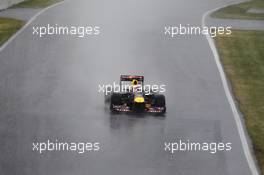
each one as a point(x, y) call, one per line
point(135, 98)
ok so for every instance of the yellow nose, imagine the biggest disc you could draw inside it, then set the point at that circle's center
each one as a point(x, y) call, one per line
point(139, 100)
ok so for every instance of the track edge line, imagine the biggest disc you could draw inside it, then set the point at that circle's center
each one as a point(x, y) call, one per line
point(237, 117)
point(28, 23)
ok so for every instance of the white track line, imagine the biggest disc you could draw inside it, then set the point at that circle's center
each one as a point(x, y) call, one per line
point(237, 117)
point(26, 25)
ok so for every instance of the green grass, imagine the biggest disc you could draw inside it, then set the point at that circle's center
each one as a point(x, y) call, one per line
point(239, 11)
point(36, 3)
point(8, 27)
point(242, 56)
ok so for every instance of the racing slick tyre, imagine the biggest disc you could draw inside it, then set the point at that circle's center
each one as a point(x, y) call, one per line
point(116, 99)
point(159, 101)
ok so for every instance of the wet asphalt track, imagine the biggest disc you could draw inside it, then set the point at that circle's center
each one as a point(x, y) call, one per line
point(48, 90)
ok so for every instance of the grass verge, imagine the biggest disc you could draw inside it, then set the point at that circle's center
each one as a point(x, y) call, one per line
point(36, 3)
point(242, 56)
point(239, 11)
point(8, 27)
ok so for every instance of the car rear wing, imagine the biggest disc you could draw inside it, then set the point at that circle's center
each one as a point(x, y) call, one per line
point(131, 78)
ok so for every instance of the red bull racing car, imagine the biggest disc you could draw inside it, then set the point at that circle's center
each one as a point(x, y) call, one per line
point(133, 97)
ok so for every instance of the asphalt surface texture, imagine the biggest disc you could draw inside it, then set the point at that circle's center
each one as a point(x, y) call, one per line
point(49, 91)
